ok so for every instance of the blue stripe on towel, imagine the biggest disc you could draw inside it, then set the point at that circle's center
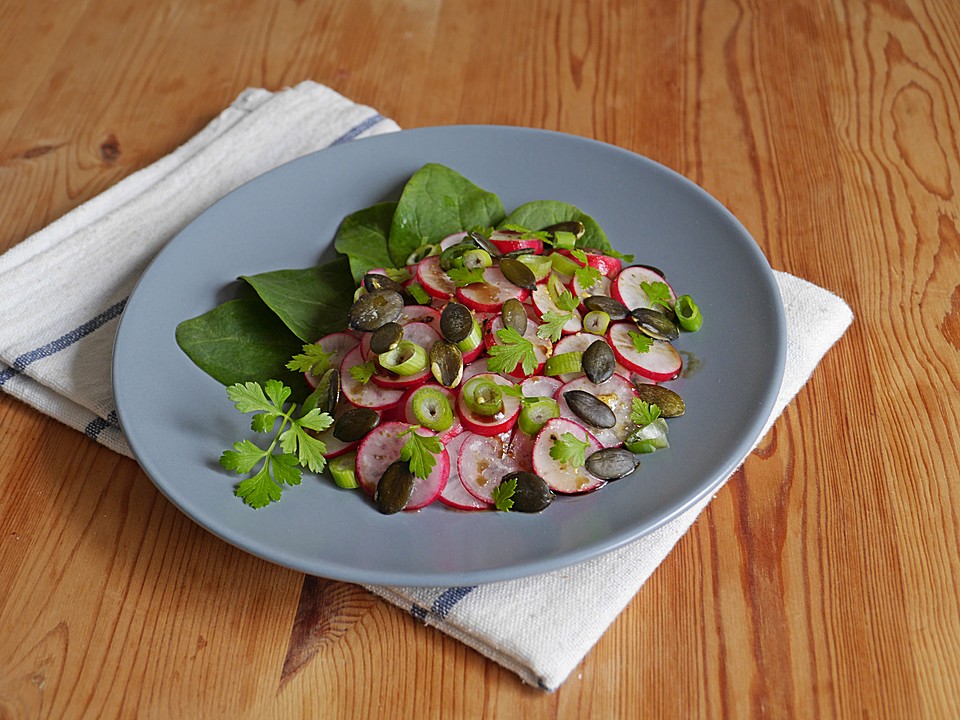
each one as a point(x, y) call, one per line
point(358, 129)
point(98, 425)
point(448, 599)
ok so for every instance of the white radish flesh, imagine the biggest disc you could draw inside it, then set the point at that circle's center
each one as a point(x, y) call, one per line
point(617, 393)
point(564, 477)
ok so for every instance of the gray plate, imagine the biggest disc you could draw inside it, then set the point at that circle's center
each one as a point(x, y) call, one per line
point(178, 420)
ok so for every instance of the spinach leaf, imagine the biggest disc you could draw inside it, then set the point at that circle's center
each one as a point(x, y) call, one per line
point(311, 302)
point(362, 237)
point(541, 213)
point(239, 341)
point(437, 202)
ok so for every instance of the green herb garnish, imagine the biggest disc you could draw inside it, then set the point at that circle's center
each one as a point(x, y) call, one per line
point(658, 292)
point(314, 360)
point(296, 445)
point(570, 449)
point(462, 277)
point(643, 413)
point(503, 494)
point(512, 350)
point(363, 372)
point(641, 343)
point(420, 451)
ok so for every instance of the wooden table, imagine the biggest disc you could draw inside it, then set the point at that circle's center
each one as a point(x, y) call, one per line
point(821, 582)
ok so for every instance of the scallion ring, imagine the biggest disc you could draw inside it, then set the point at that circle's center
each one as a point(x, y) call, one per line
point(482, 396)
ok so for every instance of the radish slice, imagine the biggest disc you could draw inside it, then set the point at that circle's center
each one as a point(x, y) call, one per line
point(579, 343)
point(609, 266)
point(617, 393)
point(474, 368)
point(451, 240)
point(510, 240)
point(419, 313)
point(540, 386)
point(434, 279)
point(454, 493)
point(407, 402)
point(482, 463)
point(338, 343)
point(560, 476)
point(661, 362)
point(490, 424)
point(600, 287)
point(423, 335)
point(626, 287)
point(381, 447)
point(543, 303)
point(370, 395)
point(492, 293)
point(521, 448)
point(334, 447)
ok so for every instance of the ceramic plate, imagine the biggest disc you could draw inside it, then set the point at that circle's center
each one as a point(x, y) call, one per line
point(178, 420)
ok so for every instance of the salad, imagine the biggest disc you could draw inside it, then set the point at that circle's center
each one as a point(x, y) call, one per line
point(453, 353)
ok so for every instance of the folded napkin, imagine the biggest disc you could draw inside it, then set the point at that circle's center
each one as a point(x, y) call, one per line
point(63, 289)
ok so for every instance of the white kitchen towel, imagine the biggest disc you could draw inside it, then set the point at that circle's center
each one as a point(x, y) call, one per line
point(63, 289)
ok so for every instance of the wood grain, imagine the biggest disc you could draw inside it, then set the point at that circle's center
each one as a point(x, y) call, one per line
point(822, 581)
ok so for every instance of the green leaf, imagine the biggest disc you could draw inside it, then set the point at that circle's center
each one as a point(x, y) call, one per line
point(526, 233)
point(363, 372)
point(250, 397)
point(503, 494)
point(438, 201)
point(314, 360)
point(570, 449)
point(311, 302)
point(512, 350)
point(552, 325)
point(641, 343)
point(566, 301)
point(241, 340)
point(243, 457)
point(462, 276)
point(260, 490)
point(587, 276)
point(285, 469)
point(643, 413)
point(308, 450)
point(658, 292)
point(362, 237)
point(263, 422)
point(315, 420)
point(543, 213)
point(420, 451)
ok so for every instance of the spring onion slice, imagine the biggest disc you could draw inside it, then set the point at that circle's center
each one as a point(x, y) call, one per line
point(688, 314)
point(568, 362)
point(407, 358)
point(343, 470)
point(482, 396)
point(471, 341)
point(596, 322)
point(534, 415)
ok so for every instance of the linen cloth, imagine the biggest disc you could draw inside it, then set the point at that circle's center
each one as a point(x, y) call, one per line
point(63, 290)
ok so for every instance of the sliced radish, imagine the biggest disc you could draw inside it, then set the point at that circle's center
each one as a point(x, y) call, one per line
point(521, 448)
point(339, 344)
point(661, 362)
point(381, 447)
point(563, 477)
point(579, 343)
point(451, 240)
point(600, 287)
point(369, 395)
point(510, 240)
point(423, 335)
point(454, 493)
point(419, 313)
point(483, 461)
point(543, 303)
point(434, 279)
point(490, 424)
point(492, 293)
point(410, 397)
point(334, 447)
point(617, 393)
point(609, 266)
point(475, 367)
point(626, 286)
point(540, 386)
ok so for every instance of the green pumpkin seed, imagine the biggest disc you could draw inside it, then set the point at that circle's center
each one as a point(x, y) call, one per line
point(670, 403)
point(591, 409)
point(395, 488)
point(375, 309)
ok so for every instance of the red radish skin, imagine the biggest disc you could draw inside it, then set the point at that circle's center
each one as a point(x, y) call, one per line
point(434, 279)
point(334, 447)
point(626, 286)
point(660, 363)
point(381, 447)
point(370, 395)
point(617, 393)
point(510, 240)
point(482, 463)
point(490, 424)
point(492, 293)
point(339, 343)
point(562, 477)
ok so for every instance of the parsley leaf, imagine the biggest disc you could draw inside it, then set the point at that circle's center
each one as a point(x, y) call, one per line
point(513, 350)
point(419, 451)
point(658, 292)
point(641, 343)
point(587, 276)
point(363, 372)
point(552, 323)
point(610, 252)
point(503, 494)
point(570, 449)
point(314, 360)
point(462, 277)
point(643, 413)
point(566, 301)
point(298, 447)
point(527, 233)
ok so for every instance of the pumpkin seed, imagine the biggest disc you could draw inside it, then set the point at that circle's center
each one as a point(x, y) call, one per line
point(518, 273)
point(589, 408)
point(386, 337)
point(611, 463)
point(375, 309)
point(446, 363)
point(670, 403)
point(355, 424)
point(614, 308)
point(655, 324)
point(456, 322)
point(514, 315)
point(532, 493)
point(395, 488)
point(598, 361)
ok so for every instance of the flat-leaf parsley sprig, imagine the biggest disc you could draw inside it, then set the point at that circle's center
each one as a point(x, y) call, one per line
point(420, 451)
point(298, 447)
